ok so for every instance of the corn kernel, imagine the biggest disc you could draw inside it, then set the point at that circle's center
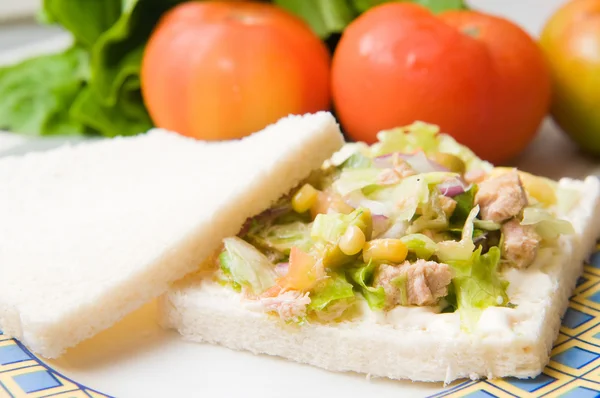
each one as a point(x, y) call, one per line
point(352, 241)
point(304, 199)
point(392, 250)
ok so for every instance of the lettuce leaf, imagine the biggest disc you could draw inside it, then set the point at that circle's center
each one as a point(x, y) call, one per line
point(464, 203)
point(362, 277)
point(334, 288)
point(351, 180)
point(478, 285)
point(546, 224)
point(421, 245)
point(86, 20)
point(462, 250)
point(330, 227)
point(246, 266)
point(282, 237)
point(36, 94)
point(325, 17)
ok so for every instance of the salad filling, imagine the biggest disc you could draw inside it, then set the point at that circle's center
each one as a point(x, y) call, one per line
point(414, 220)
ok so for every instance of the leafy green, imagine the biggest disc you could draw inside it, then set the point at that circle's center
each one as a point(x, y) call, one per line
point(464, 203)
point(351, 180)
point(330, 227)
point(478, 285)
point(357, 161)
point(421, 245)
point(335, 287)
point(86, 20)
point(282, 237)
point(362, 276)
point(114, 120)
point(548, 226)
point(462, 250)
point(324, 16)
point(418, 136)
point(435, 6)
point(36, 94)
point(246, 265)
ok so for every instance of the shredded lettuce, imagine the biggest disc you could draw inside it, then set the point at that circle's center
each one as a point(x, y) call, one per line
point(351, 180)
point(418, 136)
point(330, 291)
point(423, 246)
point(462, 250)
point(486, 225)
point(546, 225)
point(357, 161)
point(425, 137)
point(478, 285)
point(282, 237)
point(362, 276)
point(330, 227)
point(464, 204)
point(247, 266)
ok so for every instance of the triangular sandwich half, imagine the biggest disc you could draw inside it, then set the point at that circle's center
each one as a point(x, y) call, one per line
point(89, 233)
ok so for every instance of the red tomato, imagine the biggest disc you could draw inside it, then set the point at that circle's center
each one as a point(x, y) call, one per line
point(481, 78)
point(222, 70)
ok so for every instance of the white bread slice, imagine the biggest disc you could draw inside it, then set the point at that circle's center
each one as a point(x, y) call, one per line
point(91, 232)
point(408, 343)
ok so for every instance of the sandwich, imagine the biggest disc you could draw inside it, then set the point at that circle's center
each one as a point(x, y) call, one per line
point(408, 259)
point(89, 233)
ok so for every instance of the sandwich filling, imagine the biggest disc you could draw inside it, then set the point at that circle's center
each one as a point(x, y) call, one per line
point(415, 220)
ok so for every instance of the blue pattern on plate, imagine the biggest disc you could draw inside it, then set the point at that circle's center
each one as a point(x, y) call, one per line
point(531, 385)
point(575, 357)
point(12, 354)
point(574, 318)
point(36, 381)
point(581, 392)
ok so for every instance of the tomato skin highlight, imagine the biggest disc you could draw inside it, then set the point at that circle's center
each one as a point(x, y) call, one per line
point(223, 70)
point(480, 77)
point(571, 42)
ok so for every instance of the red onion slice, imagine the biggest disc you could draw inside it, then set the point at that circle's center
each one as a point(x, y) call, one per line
point(452, 187)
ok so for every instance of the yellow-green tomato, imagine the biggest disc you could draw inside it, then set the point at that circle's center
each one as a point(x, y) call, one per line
point(571, 42)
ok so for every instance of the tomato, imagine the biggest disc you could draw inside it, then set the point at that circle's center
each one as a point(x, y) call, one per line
point(480, 77)
point(571, 41)
point(222, 70)
point(304, 271)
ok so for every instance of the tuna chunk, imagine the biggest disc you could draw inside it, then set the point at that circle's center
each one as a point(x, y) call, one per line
point(521, 243)
point(420, 283)
point(502, 197)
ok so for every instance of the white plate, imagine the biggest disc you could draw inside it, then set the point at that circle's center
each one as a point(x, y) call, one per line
point(136, 358)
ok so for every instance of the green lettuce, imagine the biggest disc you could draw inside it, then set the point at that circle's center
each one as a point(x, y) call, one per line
point(362, 277)
point(546, 224)
point(462, 250)
point(330, 291)
point(330, 227)
point(464, 204)
point(423, 246)
point(246, 266)
point(351, 180)
point(36, 94)
point(478, 285)
point(282, 237)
